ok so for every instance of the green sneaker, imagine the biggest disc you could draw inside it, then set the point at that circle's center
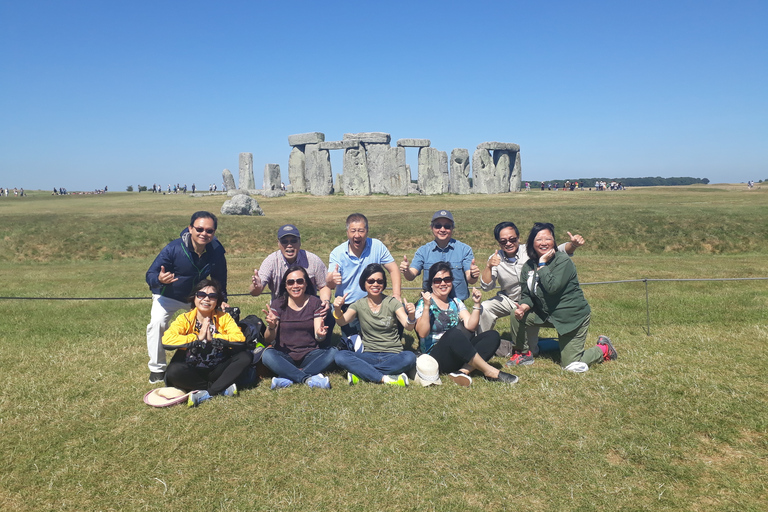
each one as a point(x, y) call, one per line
point(397, 380)
point(352, 379)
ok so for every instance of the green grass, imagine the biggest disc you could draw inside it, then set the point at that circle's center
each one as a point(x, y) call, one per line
point(677, 423)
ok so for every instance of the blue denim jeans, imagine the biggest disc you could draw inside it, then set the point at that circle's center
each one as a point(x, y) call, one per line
point(372, 366)
point(313, 363)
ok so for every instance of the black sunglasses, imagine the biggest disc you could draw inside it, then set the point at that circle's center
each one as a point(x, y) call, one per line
point(442, 226)
point(291, 282)
point(438, 280)
point(374, 281)
point(207, 230)
point(505, 241)
point(202, 295)
point(289, 241)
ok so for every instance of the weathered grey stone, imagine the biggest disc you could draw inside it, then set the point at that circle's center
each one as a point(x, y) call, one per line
point(516, 179)
point(503, 146)
point(356, 181)
point(460, 171)
point(413, 143)
point(370, 137)
point(306, 138)
point(229, 180)
point(482, 171)
point(318, 172)
point(397, 177)
point(502, 163)
point(339, 144)
point(413, 188)
point(430, 175)
point(296, 169)
point(379, 166)
point(272, 180)
point(444, 170)
point(241, 204)
point(339, 186)
point(245, 179)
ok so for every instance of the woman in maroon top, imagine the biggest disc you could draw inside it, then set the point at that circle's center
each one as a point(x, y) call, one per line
point(294, 329)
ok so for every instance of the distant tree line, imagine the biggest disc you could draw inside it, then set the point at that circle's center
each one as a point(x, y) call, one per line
point(658, 181)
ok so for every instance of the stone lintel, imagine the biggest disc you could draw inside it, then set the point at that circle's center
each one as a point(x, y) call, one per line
point(306, 138)
point(369, 137)
point(339, 144)
point(413, 143)
point(503, 146)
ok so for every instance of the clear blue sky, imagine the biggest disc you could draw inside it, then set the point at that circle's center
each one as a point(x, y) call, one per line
point(114, 93)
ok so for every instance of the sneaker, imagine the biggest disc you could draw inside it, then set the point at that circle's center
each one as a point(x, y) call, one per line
point(462, 379)
point(279, 382)
point(506, 378)
point(353, 379)
point(611, 355)
point(230, 391)
point(156, 377)
point(397, 380)
point(319, 381)
point(197, 397)
point(520, 359)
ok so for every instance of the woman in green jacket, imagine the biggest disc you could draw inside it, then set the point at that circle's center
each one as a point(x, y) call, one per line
point(551, 288)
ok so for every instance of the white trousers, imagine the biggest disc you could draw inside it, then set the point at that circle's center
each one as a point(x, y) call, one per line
point(164, 309)
point(501, 306)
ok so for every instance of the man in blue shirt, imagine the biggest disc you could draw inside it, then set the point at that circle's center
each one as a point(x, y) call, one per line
point(444, 248)
point(349, 259)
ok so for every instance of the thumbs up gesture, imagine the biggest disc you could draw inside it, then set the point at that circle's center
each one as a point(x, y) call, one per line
point(404, 266)
point(494, 260)
point(474, 270)
point(336, 276)
point(576, 240)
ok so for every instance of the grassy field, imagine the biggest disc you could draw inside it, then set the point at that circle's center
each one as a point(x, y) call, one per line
point(677, 423)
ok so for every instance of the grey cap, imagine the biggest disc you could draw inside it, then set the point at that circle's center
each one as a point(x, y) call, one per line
point(288, 229)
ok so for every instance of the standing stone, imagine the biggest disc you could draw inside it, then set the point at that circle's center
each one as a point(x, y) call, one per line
point(502, 161)
point(444, 170)
point(482, 171)
point(229, 180)
point(399, 177)
point(460, 171)
point(246, 181)
point(296, 166)
point(356, 181)
point(516, 180)
point(430, 176)
point(339, 187)
point(379, 167)
point(272, 181)
point(318, 173)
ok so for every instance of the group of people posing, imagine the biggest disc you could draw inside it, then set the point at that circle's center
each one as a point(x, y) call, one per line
point(538, 287)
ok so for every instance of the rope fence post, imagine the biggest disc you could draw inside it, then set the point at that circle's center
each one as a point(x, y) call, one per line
point(647, 310)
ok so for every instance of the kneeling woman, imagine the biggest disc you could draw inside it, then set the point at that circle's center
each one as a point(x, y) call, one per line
point(210, 347)
point(445, 331)
point(383, 359)
point(295, 328)
point(551, 288)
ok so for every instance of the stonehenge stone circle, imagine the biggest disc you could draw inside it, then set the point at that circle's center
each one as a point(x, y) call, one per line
point(372, 166)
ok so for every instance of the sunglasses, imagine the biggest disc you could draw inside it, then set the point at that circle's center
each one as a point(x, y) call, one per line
point(289, 241)
point(202, 295)
point(438, 280)
point(291, 282)
point(505, 241)
point(200, 230)
point(442, 226)
point(374, 281)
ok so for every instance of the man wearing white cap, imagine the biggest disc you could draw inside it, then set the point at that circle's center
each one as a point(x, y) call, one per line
point(444, 248)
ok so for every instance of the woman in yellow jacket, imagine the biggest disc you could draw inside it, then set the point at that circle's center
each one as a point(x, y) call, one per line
point(210, 347)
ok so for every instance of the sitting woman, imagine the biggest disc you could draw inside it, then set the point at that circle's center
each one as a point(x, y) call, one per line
point(382, 359)
point(210, 347)
point(295, 328)
point(445, 332)
point(551, 288)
